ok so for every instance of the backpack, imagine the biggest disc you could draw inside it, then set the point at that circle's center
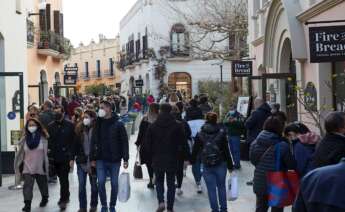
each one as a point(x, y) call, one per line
point(211, 153)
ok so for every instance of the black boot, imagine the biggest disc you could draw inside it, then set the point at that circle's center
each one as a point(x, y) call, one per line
point(27, 206)
point(44, 202)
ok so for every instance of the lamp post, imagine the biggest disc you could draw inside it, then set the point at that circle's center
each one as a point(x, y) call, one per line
point(220, 64)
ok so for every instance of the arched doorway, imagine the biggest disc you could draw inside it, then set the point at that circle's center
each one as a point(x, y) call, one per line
point(181, 81)
point(43, 86)
point(288, 94)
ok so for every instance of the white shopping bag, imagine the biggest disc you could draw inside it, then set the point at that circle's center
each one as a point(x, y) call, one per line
point(232, 188)
point(124, 187)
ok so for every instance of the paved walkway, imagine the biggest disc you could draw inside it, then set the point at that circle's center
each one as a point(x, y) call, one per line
point(142, 199)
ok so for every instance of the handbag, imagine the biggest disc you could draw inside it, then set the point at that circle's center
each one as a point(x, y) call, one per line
point(282, 186)
point(138, 171)
point(124, 191)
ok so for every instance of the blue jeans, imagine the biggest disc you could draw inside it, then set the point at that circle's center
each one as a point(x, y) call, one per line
point(196, 170)
point(171, 187)
point(234, 143)
point(113, 168)
point(82, 175)
point(215, 179)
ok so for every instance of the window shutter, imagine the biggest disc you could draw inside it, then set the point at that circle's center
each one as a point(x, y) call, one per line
point(57, 21)
point(48, 12)
point(61, 25)
point(42, 20)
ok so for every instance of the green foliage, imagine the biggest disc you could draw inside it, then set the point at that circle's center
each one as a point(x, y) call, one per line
point(100, 89)
point(217, 95)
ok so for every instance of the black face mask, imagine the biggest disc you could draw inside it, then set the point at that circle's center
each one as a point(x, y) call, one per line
point(58, 116)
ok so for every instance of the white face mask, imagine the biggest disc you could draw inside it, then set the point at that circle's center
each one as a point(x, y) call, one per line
point(101, 113)
point(32, 129)
point(87, 122)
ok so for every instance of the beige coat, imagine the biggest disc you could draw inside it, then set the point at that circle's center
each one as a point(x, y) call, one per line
point(19, 159)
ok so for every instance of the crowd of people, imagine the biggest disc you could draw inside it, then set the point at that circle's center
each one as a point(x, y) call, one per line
point(174, 133)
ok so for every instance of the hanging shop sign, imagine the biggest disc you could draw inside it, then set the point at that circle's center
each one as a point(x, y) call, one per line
point(70, 75)
point(139, 83)
point(310, 97)
point(242, 68)
point(327, 44)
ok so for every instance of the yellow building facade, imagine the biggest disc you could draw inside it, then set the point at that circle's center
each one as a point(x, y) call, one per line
point(46, 49)
point(96, 63)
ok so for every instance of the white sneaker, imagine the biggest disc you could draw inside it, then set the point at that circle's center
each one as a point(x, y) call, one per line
point(179, 192)
point(199, 189)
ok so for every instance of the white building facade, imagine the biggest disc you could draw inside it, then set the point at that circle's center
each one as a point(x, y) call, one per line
point(149, 32)
point(12, 59)
point(282, 44)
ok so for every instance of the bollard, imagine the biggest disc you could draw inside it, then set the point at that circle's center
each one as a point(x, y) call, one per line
point(17, 179)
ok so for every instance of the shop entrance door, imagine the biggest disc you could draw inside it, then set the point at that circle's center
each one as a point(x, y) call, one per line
point(15, 103)
point(278, 88)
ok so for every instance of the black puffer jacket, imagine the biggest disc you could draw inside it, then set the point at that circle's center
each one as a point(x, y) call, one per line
point(61, 141)
point(164, 139)
point(330, 150)
point(210, 131)
point(256, 120)
point(109, 141)
point(262, 156)
point(144, 125)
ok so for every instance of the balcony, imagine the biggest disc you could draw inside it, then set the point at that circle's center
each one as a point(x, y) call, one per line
point(54, 45)
point(109, 74)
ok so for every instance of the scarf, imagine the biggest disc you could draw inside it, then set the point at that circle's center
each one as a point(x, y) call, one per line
point(33, 140)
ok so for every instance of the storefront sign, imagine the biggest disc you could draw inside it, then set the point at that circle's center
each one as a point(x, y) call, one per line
point(71, 70)
point(139, 83)
point(242, 68)
point(310, 97)
point(70, 79)
point(327, 44)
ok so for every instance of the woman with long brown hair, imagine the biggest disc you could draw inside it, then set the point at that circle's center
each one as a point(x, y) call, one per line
point(81, 153)
point(32, 162)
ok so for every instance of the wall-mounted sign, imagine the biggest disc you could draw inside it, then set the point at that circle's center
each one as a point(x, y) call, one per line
point(11, 115)
point(70, 79)
point(139, 83)
point(327, 44)
point(310, 97)
point(242, 68)
point(70, 75)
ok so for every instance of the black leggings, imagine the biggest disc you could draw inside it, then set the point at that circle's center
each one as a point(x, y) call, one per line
point(179, 173)
point(150, 171)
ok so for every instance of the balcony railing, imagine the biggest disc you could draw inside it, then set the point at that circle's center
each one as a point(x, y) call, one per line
point(53, 44)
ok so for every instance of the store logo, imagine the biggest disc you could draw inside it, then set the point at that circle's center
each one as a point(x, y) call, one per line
point(242, 68)
point(327, 44)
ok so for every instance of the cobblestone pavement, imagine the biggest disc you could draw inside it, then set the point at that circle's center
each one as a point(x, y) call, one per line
point(142, 199)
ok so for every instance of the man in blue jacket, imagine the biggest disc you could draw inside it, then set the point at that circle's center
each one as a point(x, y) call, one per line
point(322, 190)
point(109, 147)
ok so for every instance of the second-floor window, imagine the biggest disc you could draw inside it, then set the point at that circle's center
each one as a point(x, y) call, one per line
point(179, 39)
point(98, 68)
point(86, 69)
point(111, 67)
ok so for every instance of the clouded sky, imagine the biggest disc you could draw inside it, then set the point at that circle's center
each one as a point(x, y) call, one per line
point(85, 19)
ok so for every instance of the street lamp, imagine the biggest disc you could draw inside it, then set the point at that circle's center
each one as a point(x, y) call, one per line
point(220, 64)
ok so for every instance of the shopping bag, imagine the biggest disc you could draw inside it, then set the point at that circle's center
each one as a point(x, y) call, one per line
point(138, 171)
point(124, 191)
point(232, 188)
point(282, 186)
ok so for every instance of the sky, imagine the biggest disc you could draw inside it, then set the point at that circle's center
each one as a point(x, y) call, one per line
point(86, 19)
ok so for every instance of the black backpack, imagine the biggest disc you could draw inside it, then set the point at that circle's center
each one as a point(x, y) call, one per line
point(211, 154)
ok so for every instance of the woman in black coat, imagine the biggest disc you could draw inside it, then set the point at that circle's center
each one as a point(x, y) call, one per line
point(262, 156)
point(184, 153)
point(149, 119)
